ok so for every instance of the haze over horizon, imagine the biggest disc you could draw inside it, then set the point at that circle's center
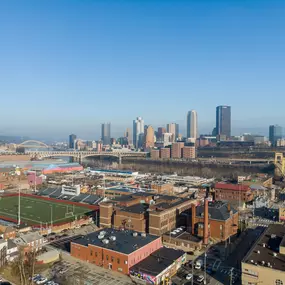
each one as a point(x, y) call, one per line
point(68, 66)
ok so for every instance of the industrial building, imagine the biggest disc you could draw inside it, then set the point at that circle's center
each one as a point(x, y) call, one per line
point(144, 212)
point(265, 261)
point(117, 250)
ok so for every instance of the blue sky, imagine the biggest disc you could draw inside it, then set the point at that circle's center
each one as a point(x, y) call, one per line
point(66, 66)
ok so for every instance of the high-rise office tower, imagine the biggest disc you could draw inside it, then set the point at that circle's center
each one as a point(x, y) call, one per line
point(149, 137)
point(72, 139)
point(275, 133)
point(160, 132)
point(174, 130)
point(223, 121)
point(106, 133)
point(128, 135)
point(192, 125)
point(138, 132)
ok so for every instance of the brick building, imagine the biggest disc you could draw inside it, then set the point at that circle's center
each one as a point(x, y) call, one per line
point(233, 192)
point(154, 153)
point(159, 267)
point(222, 221)
point(115, 250)
point(176, 149)
point(161, 187)
point(189, 152)
point(165, 153)
point(144, 212)
point(165, 215)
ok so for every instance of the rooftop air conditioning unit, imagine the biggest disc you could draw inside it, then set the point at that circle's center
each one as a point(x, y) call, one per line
point(252, 261)
point(264, 245)
point(105, 241)
point(263, 262)
point(143, 234)
point(113, 238)
point(135, 234)
point(258, 252)
point(274, 254)
point(102, 233)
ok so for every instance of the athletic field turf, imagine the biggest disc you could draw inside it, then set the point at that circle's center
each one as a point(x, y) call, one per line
point(35, 211)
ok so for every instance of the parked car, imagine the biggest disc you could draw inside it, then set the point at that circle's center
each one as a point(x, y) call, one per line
point(189, 276)
point(200, 279)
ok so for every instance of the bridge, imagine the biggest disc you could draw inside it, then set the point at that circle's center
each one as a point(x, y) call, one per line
point(32, 144)
point(79, 155)
point(279, 162)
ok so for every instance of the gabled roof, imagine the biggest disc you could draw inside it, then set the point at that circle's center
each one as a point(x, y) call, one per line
point(217, 211)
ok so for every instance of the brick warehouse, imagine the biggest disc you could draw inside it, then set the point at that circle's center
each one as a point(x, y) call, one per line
point(144, 212)
point(114, 249)
point(222, 221)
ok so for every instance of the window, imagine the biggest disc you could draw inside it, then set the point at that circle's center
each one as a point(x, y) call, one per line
point(91, 253)
point(107, 257)
point(112, 258)
point(118, 260)
point(278, 282)
point(96, 254)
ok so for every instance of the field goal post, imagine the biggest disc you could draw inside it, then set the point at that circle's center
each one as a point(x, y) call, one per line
point(69, 212)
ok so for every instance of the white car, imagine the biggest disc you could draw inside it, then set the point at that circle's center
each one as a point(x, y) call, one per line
point(200, 279)
point(189, 276)
point(42, 281)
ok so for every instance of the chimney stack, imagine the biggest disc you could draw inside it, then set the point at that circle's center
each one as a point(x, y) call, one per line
point(206, 221)
point(193, 207)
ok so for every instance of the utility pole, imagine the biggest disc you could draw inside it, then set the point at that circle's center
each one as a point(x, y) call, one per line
point(51, 217)
point(19, 207)
point(205, 266)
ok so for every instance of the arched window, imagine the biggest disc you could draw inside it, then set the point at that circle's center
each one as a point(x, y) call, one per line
point(278, 282)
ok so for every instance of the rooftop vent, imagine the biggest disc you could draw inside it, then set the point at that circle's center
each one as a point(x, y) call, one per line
point(268, 264)
point(273, 236)
point(274, 254)
point(252, 261)
point(258, 252)
point(105, 241)
point(264, 245)
point(113, 238)
point(263, 262)
point(135, 234)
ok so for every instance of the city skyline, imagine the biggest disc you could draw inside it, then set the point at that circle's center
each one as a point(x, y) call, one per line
point(79, 58)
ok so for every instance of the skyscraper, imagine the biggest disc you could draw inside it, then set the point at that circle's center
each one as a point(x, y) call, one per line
point(192, 124)
point(223, 121)
point(106, 133)
point(174, 130)
point(128, 135)
point(72, 139)
point(149, 137)
point(138, 132)
point(275, 133)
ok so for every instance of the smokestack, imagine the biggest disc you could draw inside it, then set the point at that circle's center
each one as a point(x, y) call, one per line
point(206, 221)
point(193, 207)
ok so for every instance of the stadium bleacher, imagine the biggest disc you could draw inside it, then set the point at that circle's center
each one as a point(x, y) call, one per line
point(81, 198)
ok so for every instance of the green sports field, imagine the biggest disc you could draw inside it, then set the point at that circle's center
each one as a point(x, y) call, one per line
point(36, 211)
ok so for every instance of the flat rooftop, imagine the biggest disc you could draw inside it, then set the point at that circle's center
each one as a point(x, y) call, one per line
point(125, 241)
point(137, 208)
point(263, 251)
point(158, 261)
point(185, 236)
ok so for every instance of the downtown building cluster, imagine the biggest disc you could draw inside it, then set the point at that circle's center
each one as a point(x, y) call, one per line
point(168, 142)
